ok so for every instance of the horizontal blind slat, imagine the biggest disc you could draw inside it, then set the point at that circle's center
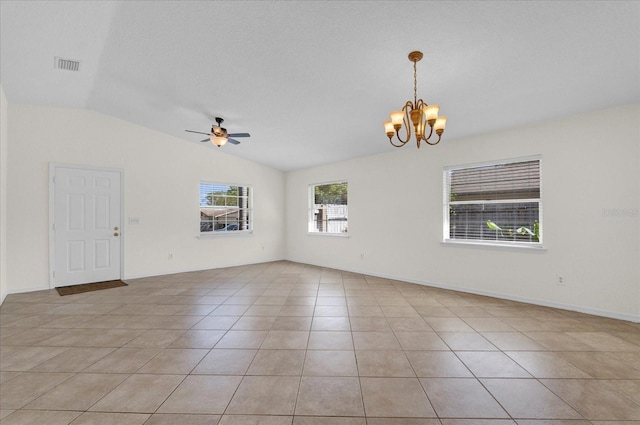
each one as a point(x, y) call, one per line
point(502, 181)
point(225, 207)
point(506, 194)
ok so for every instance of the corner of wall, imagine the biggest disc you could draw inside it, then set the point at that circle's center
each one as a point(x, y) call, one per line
point(608, 287)
point(3, 194)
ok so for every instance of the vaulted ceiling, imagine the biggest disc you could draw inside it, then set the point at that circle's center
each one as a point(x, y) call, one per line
point(312, 81)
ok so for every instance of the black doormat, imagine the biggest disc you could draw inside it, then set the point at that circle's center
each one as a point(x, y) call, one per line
point(88, 287)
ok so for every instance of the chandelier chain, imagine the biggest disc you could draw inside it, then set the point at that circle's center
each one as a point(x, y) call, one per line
point(415, 83)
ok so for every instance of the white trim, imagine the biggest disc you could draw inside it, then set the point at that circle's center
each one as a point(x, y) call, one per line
point(26, 290)
point(145, 275)
point(542, 303)
point(516, 246)
point(332, 235)
point(337, 181)
point(52, 169)
point(446, 188)
point(198, 269)
point(213, 234)
point(570, 307)
point(537, 157)
point(310, 209)
point(225, 183)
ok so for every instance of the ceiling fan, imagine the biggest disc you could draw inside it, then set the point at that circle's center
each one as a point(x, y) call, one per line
point(219, 135)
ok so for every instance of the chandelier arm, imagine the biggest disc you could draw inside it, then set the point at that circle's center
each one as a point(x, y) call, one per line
point(406, 124)
point(426, 139)
point(407, 119)
point(434, 143)
point(401, 143)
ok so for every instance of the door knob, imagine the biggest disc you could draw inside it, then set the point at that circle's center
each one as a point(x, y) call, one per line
point(115, 228)
point(116, 234)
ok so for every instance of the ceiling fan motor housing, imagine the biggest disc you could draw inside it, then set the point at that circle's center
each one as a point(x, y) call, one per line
point(219, 131)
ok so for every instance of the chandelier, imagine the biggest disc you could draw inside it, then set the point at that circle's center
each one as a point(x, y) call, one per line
point(416, 114)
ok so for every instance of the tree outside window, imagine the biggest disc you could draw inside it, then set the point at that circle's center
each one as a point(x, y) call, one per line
point(328, 210)
point(225, 208)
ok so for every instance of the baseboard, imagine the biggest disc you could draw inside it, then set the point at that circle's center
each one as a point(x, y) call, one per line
point(196, 269)
point(542, 303)
point(140, 276)
point(22, 291)
point(570, 307)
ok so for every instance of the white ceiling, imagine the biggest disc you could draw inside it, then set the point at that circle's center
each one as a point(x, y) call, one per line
point(312, 81)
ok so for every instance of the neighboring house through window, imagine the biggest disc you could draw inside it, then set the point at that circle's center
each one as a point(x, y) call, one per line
point(328, 211)
point(496, 202)
point(225, 208)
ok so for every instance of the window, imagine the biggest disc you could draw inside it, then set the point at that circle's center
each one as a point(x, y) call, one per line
point(497, 202)
point(225, 208)
point(328, 210)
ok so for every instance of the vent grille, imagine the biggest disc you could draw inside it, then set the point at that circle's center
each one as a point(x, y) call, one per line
point(67, 64)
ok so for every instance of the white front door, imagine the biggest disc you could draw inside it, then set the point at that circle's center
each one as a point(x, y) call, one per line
point(86, 226)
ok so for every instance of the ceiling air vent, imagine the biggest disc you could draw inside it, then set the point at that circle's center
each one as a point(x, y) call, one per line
point(67, 64)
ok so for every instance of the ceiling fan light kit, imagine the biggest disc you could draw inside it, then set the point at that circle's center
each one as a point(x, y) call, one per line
point(218, 141)
point(219, 135)
point(417, 114)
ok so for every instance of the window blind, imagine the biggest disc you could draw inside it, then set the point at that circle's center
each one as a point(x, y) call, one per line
point(497, 202)
point(520, 180)
point(225, 207)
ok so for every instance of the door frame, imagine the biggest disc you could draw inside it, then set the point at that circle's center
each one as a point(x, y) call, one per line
point(52, 172)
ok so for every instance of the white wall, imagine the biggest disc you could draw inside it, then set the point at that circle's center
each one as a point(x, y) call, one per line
point(161, 188)
point(3, 194)
point(590, 163)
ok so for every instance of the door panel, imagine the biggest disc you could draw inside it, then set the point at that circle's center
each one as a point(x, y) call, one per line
point(86, 231)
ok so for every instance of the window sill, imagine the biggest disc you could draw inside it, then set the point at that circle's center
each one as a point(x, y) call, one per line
point(334, 235)
point(491, 245)
point(212, 235)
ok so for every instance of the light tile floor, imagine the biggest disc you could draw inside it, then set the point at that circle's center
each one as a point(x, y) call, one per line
point(286, 343)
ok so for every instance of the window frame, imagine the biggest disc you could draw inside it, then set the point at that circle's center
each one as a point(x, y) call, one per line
point(447, 240)
point(249, 210)
point(311, 219)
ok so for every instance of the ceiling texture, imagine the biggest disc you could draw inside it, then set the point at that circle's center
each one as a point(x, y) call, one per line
point(313, 81)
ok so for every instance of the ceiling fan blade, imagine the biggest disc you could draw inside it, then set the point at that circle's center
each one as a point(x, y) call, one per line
point(239, 135)
point(197, 132)
point(205, 140)
point(233, 142)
